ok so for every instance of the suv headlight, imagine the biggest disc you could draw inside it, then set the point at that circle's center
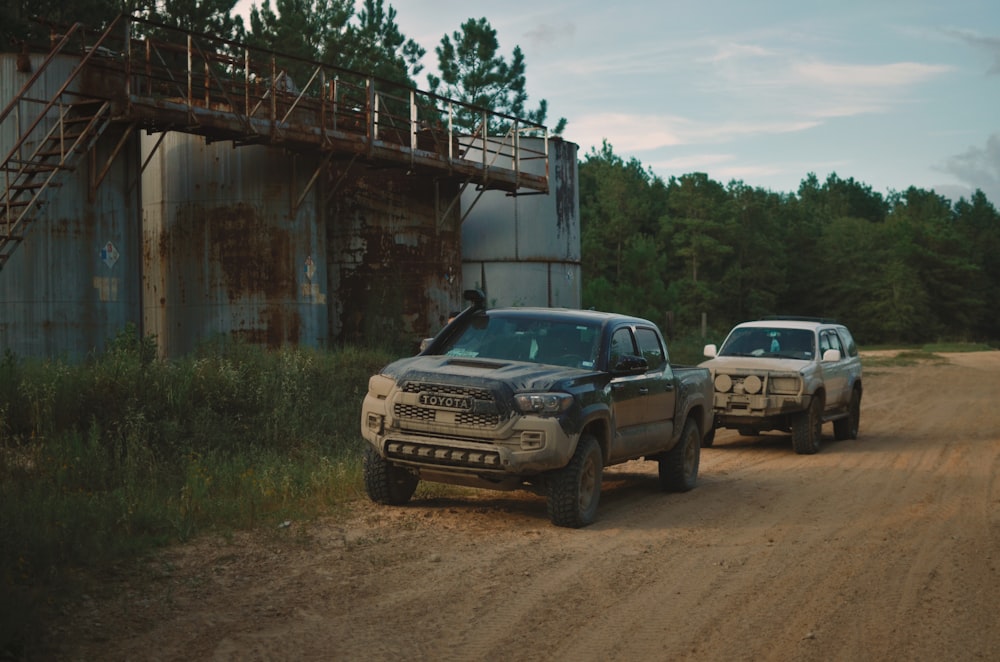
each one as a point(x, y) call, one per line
point(784, 385)
point(543, 403)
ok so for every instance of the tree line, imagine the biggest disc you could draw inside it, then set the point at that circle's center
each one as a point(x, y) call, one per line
point(910, 266)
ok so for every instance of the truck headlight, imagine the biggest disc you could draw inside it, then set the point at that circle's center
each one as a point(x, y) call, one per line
point(380, 385)
point(543, 403)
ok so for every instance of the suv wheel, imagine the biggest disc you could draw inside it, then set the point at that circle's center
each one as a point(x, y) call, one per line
point(847, 428)
point(807, 428)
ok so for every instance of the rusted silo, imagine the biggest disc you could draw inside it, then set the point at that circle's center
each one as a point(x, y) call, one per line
point(525, 250)
point(233, 245)
point(395, 254)
point(74, 282)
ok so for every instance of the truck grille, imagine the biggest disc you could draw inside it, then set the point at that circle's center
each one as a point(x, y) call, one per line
point(461, 406)
point(473, 392)
point(430, 415)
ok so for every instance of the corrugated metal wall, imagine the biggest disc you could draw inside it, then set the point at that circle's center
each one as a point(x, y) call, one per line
point(525, 250)
point(224, 253)
point(212, 246)
point(74, 281)
point(395, 269)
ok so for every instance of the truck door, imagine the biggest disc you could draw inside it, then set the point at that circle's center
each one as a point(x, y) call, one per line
point(642, 405)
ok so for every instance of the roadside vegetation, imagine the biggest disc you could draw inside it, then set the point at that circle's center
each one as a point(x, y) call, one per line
point(901, 356)
point(104, 461)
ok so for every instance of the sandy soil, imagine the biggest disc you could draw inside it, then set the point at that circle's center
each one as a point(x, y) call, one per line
point(884, 548)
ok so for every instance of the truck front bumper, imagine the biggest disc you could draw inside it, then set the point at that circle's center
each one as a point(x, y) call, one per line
point(529, 445)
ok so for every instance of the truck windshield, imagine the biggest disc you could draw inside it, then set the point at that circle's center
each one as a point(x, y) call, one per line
point(759, 341)
point(554, 342)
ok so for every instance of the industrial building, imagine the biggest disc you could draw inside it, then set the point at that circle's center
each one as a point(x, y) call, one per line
point(187, 186)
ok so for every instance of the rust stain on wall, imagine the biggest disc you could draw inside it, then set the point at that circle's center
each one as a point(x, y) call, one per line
point(228, 256)
point(396, 264)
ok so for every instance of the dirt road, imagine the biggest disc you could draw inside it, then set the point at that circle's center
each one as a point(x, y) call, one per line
point(884, 548)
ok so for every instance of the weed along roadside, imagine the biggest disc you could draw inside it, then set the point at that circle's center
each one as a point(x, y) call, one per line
point(105, 461)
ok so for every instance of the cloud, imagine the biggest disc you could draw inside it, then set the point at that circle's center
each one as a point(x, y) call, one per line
point(989, 44)
point(640, 133)
point(544, 36)
point(853, 76)
point(734, 51)
point(979, 168)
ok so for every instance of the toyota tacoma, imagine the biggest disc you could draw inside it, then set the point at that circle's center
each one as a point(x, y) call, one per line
point(541, 399)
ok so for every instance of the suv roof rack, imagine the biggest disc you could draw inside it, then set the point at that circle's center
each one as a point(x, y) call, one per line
point(798, 318)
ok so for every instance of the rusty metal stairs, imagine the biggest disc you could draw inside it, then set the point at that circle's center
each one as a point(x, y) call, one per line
point(51, 137)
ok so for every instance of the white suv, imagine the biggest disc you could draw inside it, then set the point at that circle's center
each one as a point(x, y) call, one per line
point(789, 374)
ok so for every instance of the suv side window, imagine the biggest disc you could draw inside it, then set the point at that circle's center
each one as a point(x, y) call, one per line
point(621, 345)
point(650, 348)
point(849, 344)
point(830, 340)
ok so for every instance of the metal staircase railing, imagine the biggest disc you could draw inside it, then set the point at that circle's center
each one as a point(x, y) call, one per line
point(60, 130)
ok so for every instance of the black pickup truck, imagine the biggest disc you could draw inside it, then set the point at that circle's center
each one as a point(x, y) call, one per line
point(534, 398)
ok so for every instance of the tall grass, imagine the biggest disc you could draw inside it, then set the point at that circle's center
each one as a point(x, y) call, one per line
point(105, 460)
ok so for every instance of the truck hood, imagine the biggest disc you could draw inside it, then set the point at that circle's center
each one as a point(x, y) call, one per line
point(515, 375)
point(730, 364)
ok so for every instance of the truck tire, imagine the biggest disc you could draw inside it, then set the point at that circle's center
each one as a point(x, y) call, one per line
point(575, 489)
point(847, 428)
point(679, 465)
point(807, 428)
point(386, 483)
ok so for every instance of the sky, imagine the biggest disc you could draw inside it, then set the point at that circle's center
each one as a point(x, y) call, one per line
point(891, 93)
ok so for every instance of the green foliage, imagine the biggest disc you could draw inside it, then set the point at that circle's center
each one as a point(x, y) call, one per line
point(28, 21)
point(908, 268)
point(104, 460)
point(213, 17)
point(472, 71)
point(305, 29)
point(379, 48)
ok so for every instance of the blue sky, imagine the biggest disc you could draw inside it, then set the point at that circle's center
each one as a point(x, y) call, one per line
point(891, 93)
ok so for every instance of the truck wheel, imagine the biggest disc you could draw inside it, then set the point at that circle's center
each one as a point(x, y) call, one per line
point(575, 489)
point(709, 439)
point(679, 465)
point(808, 427)
point(847, 428)
point(385, 482)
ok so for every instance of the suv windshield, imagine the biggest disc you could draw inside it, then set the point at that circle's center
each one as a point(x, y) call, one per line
point(776, 342)
point(520, 338)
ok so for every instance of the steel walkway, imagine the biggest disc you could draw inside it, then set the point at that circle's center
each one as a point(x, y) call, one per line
point(149, 77)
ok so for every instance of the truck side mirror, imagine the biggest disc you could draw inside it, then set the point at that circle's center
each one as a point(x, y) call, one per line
point(711, 351)
point(630, 365)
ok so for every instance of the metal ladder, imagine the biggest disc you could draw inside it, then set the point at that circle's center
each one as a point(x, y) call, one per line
point(65, 126)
